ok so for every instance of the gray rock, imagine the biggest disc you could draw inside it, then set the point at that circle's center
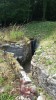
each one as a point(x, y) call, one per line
point(19, 98)
point(41, 97)
point(22, 98)
point(51, 80)
point(2, 90)
point(54, 76)
point(21, 51)
point(43, 79)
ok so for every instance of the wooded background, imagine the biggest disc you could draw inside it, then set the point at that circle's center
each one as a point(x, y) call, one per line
point(22, 11)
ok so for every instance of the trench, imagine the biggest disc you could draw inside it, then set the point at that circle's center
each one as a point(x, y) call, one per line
point(27, 65)
point(25, 70)
point(12, 48)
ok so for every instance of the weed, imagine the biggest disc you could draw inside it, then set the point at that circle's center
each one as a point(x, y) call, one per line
point(6, 96)
point(16, 33)
point(1, 80)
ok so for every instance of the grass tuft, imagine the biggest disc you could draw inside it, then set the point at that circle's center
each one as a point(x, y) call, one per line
point(16, 33)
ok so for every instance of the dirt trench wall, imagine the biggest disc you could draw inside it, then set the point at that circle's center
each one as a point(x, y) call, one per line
point(43, 79)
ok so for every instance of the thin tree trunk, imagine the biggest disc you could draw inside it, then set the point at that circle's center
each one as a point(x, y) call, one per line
point(4, 13)
point(28, 10)
point(44, 9)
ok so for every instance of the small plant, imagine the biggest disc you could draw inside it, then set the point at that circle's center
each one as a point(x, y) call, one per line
point(1, 60)
point(16, 33)
point(8, 87)
point(38, 52)
point(1, 80)
point(48, 62)
point(6, 96)
point(52, 70)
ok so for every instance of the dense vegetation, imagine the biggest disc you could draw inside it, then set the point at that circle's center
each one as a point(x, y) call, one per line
point(19, 11)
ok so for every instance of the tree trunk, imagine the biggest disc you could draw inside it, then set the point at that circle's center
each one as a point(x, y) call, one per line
point(44, 9)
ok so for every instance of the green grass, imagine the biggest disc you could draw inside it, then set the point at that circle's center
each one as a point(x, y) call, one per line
point(1, 60)
point(52, 70)
point(16, 34)
point(32, 29)
point(1, 57)
point(1, 80)
point(41, 90)
point(35, 29)
point(45, 32)
point(11, 33)
point(7, 88)
point(6, 96)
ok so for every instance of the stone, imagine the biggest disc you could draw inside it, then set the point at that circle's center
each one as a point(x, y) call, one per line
point(41, 97)
point(51, 80)
point(1, 90)
point(33, 89)
point(54, 76)
point(21, 52)
point(25, 78)
point(43, 78)
point(19, 98)
point(22, 98)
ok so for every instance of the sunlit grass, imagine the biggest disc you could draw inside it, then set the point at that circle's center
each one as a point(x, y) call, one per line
point(45, 32)
point(1, 80)
point(16, 33)
point(35, 29)
point(1, 60)
point(1, 57)
point(13, 33)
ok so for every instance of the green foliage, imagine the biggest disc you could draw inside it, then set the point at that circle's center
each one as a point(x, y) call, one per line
point(1, 80)
point(16, 33)
point(6, 96)
point(40, 29)
point(52, 70)
point(8, 87)
point(19, 11)
point(14, 11)
point(45, 32)
point(1, 60)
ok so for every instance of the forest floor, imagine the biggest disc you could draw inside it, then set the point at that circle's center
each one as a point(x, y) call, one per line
point(44, 32)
